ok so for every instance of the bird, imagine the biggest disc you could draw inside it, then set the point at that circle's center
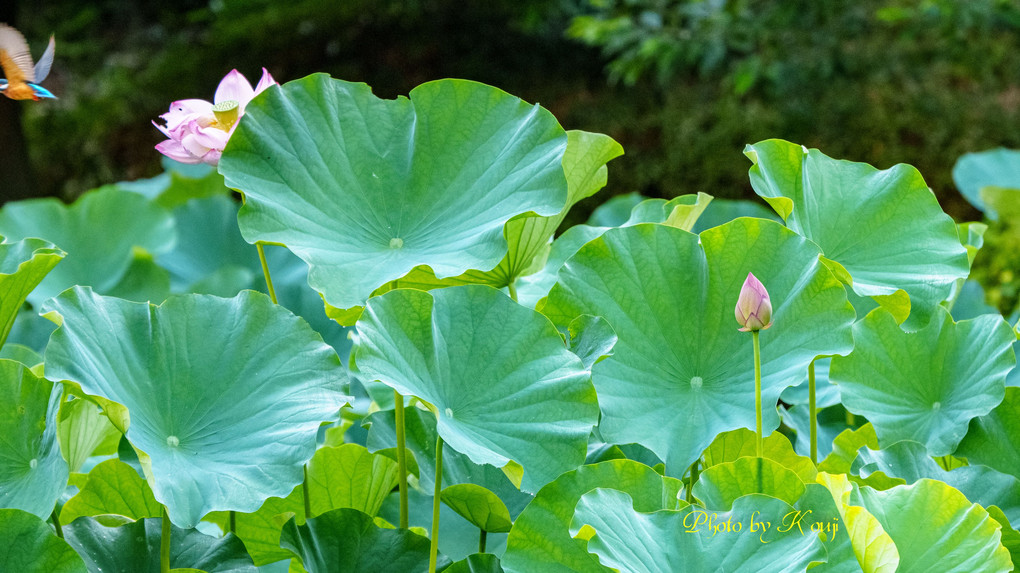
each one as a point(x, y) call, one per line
point(23, 78)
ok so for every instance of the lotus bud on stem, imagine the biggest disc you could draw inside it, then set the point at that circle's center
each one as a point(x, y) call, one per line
point(754, 313)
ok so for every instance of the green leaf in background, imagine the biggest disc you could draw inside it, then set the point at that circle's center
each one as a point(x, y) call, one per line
point(348, 540)
point(829, 423)
point(476, 563)
point(722, 484)
point(133, 547)
point(33, 474)
point(872, 546)
point(615, 211)
point(739, 443)
point(82, 429)
point(540, 539)
point(30, 546)
point(935, 528)
point(885, 228)
point(113, 487)
point(910, 462)
point(479, 506)
point(364, 189)
point(993, 440)
point(1010, 536)
point(260, 530)
point(23, 265)
point(225, 395)
point(667, 541)
point(584, 165)
point(998, 167)
point(497, 374)
point(721, 211)
point(927, 385)
point(591, 339)
point(349, 476)
point(845, 447)
point(680, 359)
point(102, 232)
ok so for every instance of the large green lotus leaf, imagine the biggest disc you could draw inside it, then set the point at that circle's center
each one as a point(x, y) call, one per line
point(720, 485)
point(83, 431)
point(873, 548)
point(100, 233)
point(935, 528)
point(23, 265)
point(910, 462)
point(349, 476)
point(498, 375)
point(348, 540)
point(224, 395)
point(31, 547)
point(113, 487)
point(735, 444)
point(364, 189)
point(927, 385)
point(133, 547)
point(420, 437)
point(994, 440)
point(885, 228)
point(680, 361)
point(998, 167)
point(667, 541)
point(33, 474)
point(540, 539)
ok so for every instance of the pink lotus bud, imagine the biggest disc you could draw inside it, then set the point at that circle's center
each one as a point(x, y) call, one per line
point(754, 309)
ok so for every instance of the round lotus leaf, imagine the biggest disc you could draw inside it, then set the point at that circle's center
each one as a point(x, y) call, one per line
point(365, 189)
point(498, 375)
point(927, 385)
point(692, 539)
point(998, 167)
point(101, 233)
point(540, 539)
point(722, 484)
point(113, 487)
point(885, 228)
point(133, 547)
point(478, 505)
point(33, 474)
point(30, 546)
point(348, 540)
point(935, 528)
point(224, 395)
point(680, 360)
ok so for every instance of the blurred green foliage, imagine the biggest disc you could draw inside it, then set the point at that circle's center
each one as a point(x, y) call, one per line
point(690, 82)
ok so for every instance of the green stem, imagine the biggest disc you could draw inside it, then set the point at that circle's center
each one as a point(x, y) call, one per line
point(306, 496)
point(690, 485)
point(512, 289)
point(481, 540)
point(164, 545)
point(398, 402)
point(850, 419)
point(265, 272)
point(757, 393)
point(56, 523)
point(434, 547)
point(232, 522)
point(812, 411)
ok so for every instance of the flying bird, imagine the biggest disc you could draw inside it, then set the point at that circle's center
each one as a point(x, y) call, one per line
point(23, 78)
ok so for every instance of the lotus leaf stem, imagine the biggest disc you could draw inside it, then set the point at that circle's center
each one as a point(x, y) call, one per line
point(306, 495)
point(434, 547)
point(265, 272)
point(232, 522)
point(812, 411)
point(512, 289)
point(56, 523)
point(689, 498)
point(164, 544)
point(398, 410)
point(481, 540)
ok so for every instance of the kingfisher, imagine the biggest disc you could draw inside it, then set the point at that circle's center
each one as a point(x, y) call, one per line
point(23, 78)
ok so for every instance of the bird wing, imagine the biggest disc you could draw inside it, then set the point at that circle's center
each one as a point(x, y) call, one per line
point(42, 67)
point(15, 59)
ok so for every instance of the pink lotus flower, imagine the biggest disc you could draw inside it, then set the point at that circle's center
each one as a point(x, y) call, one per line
point(199, 130)
point(754, 309)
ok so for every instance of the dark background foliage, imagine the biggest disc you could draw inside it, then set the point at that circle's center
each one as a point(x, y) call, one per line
point(682, 85)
